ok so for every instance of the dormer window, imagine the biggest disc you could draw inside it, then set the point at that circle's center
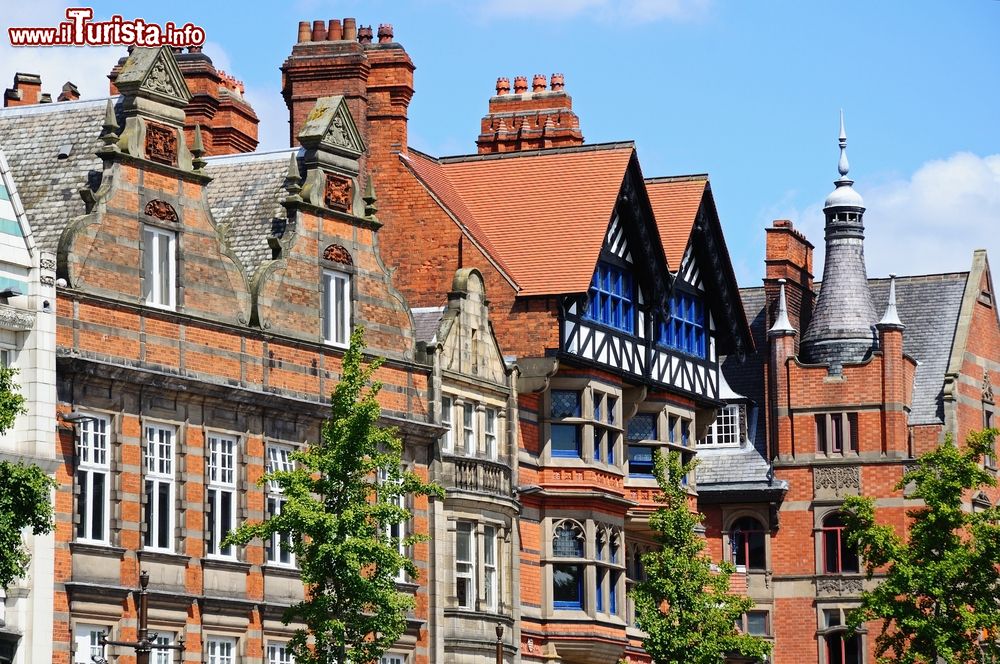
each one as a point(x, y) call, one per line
point(685, 328)
point(612, 296)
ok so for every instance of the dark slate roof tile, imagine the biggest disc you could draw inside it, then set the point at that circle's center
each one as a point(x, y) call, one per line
point(426, 321)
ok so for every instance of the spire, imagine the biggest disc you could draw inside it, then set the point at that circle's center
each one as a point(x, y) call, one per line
point(781, 323)
point(109, 130)
point(841, 328)
point(891, 317)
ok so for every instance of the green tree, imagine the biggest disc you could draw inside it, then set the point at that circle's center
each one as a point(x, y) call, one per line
point(684, 605)
point(940, 587)
point(24, 499)
point(341, 500)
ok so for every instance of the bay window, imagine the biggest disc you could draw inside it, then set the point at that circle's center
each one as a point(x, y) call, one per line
point(568, 573)
point(565, 437)
point(465, 564)
point(490, 576)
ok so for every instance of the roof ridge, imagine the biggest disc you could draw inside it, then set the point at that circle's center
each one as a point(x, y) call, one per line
point(693, 177)
point(241, 157)
point(590, 147)
point(53, 107)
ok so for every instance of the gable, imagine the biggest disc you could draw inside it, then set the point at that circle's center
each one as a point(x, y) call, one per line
point(153, 73)
point(331, 125)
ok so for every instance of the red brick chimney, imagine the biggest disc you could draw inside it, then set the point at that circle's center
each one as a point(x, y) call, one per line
point(27, 90)
point(69, 92)
point(542, 118)
point(228, 122)
point(789, 256)
point(341, 58)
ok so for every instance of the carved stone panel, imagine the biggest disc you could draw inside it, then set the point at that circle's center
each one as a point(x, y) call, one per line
point(836, 481)
point(337, 195)
point(161, 144)
point(839, 586)
point(336, 253)
point(161, 210)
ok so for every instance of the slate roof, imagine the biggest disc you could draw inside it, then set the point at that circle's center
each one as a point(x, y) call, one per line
point(675, 202)
point(928, 305)
point(425, 322)
point(31, 137)
point(246, 193)
point(546, 212)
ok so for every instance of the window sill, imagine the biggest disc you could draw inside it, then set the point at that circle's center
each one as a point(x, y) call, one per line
point(96, 548)
point(225, 564)
point(161, 556)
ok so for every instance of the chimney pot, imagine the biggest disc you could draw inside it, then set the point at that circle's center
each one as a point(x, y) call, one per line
point(194, 49)
point(365, 34)
point(558, 82)
point(305, 34)
point(319, 31)
point(538, 83)
point(503, 86)
point(520, 85)
point(350, 29)
point(385, 33)
point(335, 32)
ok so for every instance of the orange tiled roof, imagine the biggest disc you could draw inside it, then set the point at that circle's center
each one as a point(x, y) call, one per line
point(545, 212)
point(675, 202)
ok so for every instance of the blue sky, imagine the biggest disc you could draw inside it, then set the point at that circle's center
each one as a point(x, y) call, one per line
point(748, 92)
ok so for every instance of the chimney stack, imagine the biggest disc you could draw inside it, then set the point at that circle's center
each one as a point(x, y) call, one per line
point(788, 258)
point(69, 92)
point(27, 90)
point(533, 120)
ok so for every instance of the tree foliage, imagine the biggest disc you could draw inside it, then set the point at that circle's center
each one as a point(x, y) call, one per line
point(684, 605)
point(941, 586)
point(341, 499)
point(25, 496)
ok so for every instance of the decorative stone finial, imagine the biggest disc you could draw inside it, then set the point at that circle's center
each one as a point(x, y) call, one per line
point(198, 150)
point(781, 323)
point(371, 202)
point(109, 130)
point(842, 166)
point(292, 177)
point(891, 316)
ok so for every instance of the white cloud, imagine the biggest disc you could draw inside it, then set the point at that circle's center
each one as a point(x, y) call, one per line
point(928, 223)
point(641, 11)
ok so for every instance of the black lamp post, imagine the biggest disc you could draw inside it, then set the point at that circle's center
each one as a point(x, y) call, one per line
point(144, 644)
point(499, 643)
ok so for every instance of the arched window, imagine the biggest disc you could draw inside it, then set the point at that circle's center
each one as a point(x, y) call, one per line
point(567, 578)
point(842, 647)
point(838, 556)
point(747, 538)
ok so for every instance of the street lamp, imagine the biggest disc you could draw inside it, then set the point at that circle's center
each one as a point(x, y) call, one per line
point(145, 642)
point(499, 643)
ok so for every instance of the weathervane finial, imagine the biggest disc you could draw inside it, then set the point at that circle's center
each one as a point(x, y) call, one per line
point(843, 167)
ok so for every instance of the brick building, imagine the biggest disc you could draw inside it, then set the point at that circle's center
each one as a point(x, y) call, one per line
point(549, 319)
point(849, 385)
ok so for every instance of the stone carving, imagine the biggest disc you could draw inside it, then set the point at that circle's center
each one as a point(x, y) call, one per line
point(47, 280)
point(160, 80)
point(16, 319)
point(337, 195)
point(161, 210)
point(839, 479)
point(47, 264)
point(161, 144)
point(987, 386)
point(834, 585)
point(338, 133)
point(336, 253)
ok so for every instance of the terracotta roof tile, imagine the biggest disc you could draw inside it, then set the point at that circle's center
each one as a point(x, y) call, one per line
point(675, 202)
point(545, 212)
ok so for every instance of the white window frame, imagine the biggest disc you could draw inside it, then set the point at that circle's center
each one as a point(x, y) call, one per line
point(278, 652)
point(724, 431)
point(221, 480)
point(465, 570)
point(153, 237)
point(336, 315)
point(278, 459)
point(447, 421)
point(86, 637)
point(220, 650)
point(159, 468)
point(490, 432)
point(160, 655)
point(491, 576)
point(396, 531)
point(392, 658)
point(469, 428)
point(93, 454)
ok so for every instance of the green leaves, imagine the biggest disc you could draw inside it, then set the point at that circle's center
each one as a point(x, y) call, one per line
point(684, 605)
point(940, 587)
point(342, 501)
point(24, 503)
point(11, 399)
